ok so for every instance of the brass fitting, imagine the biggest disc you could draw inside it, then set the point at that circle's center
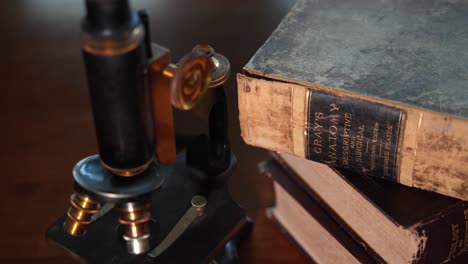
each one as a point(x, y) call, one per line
point(79, 215)
point(190, 79)
point(135, 218)
point(221, 67)
point(180, 86)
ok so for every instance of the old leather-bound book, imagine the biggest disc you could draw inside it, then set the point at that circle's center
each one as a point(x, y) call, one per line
point(391, 222)
point(308, 224)
point(377, 87)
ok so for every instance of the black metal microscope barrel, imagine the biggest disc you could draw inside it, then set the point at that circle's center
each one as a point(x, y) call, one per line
point(115, 58)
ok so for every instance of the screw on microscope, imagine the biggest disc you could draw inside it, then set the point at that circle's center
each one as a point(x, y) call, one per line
point(135, 218)
point(205, 49)
point(79, 215)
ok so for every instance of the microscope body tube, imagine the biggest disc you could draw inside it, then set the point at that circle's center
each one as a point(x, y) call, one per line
point(115, 56)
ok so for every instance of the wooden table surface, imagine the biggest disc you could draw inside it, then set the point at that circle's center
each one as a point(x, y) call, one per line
point(46, 121)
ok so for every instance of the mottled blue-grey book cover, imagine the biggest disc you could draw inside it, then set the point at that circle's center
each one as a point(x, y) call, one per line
point(376, 87)
point(413, 52)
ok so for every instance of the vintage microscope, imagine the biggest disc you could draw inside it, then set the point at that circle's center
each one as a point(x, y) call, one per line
point(149, 196)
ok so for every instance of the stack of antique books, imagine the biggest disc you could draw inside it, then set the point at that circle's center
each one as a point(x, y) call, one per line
point(364, 105)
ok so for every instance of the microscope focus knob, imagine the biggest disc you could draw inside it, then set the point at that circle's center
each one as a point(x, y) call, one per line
point(189, 80)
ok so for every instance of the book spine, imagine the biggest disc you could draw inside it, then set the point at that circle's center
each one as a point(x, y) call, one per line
point(321, 212)
point(441, 239)
point(446, 237)
point(369, 136)
point(353, 134)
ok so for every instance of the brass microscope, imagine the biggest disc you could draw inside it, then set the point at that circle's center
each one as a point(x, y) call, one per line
point(149, 196)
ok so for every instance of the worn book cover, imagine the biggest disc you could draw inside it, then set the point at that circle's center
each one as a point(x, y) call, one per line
point(377, 87)
point(397, 223)
point(309, 224)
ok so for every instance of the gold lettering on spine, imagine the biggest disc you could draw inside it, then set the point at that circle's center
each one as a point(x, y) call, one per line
point(454, 241)
point(334, 108)
point(465, 239)
point(458, 244)
point(346, 137)
point(375, 138)
point(317, 143)
point(388, 145)
point(359, 144)
point(332, 135)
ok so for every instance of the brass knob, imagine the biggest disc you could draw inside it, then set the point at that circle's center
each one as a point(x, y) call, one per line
point(190, 79)
point(79, 215)
point(221, 65)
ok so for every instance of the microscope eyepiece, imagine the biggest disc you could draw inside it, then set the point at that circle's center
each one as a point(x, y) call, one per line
point(115, 59)
point(106, 18)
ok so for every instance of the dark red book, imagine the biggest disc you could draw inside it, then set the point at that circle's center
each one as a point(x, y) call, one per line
point(389, 222)
point(308, 225)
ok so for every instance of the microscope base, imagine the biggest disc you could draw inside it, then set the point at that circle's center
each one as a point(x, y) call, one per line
point(201, 242)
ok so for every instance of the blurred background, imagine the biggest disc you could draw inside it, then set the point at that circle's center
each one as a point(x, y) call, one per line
point(47, 126)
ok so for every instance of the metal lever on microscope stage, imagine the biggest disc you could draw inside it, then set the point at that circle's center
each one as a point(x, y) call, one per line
point(199, 204)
